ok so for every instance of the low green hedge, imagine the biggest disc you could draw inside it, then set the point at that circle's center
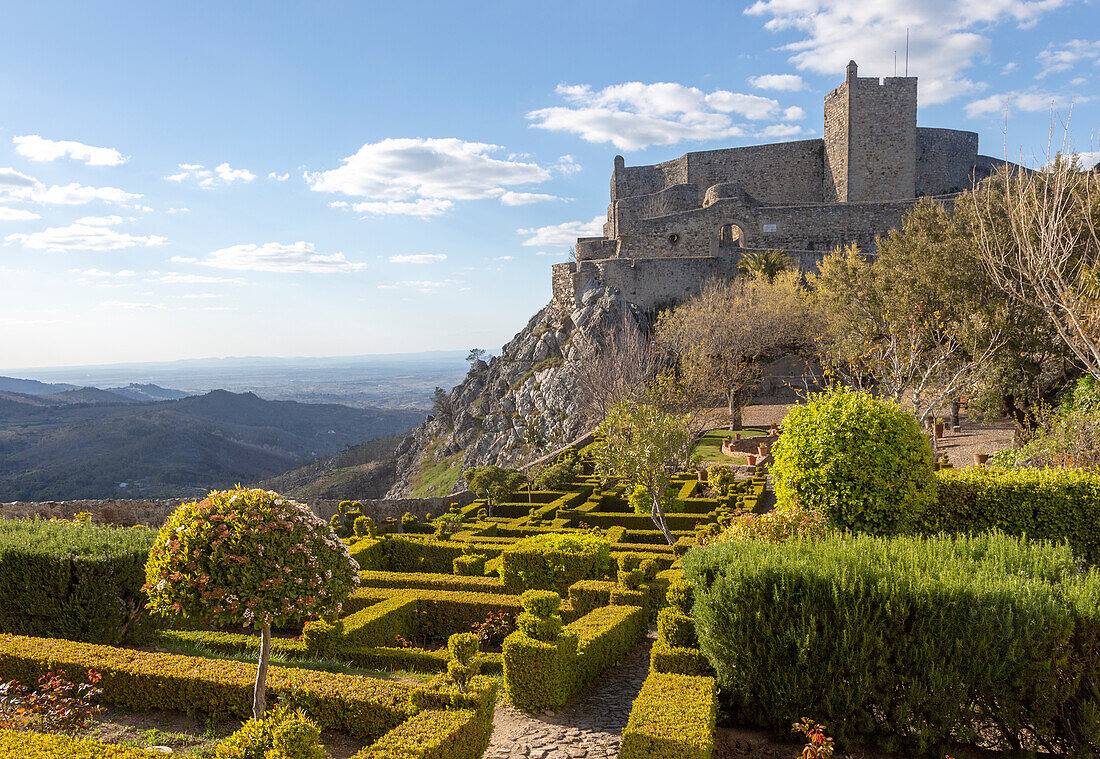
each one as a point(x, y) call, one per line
point(380, 624)
point(544, 675)
point(909, 642)
point(678, 660)
point(1046, 504)
point(430, 581)
point(672, 718)
point(453, 733)
point(144, 681)
point(405, 553)
point(74, 581)
point(554, 562)
point(28, 745)
point(586, 595)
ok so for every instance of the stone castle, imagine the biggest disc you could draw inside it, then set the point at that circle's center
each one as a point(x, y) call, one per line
point(673, 225)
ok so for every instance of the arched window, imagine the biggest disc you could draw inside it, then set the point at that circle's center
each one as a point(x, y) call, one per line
point(731, 236)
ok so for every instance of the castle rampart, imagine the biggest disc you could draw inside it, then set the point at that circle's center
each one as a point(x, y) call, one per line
point(694, 216)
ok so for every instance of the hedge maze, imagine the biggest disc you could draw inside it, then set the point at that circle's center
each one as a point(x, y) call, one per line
point(540, 599)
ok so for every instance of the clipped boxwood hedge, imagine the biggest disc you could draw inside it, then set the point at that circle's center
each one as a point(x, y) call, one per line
point(429, 581)
point(75, 581)
point(145, 681)
point(673, 717)
point(903, 641)
point(28, 745)
point(554, 561)
point(1048, 504)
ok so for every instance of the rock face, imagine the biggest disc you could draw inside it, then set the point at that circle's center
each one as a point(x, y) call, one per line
point(523, 401)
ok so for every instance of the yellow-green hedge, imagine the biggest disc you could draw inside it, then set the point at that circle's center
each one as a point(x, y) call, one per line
point(430, 581)
point(677, 660)
point(144, 681)
point(672, 718)
point(1044, 504)
point(20, 745)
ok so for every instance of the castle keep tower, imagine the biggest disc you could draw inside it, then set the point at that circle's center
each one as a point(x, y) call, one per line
point(671, 226)
point(871, 139)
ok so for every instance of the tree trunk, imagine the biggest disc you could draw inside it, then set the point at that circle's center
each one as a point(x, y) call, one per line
point(658, 517)
point(259, 693)
point(955, 414)
point(735, 411)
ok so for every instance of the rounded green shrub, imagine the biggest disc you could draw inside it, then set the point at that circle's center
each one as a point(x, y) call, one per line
point(363, 527)
point(463, 647)
point(681, 595)
point(541, 603)
point(675, 628)
point(860, 460)
point(540, 628)
point(323, 637)
point(631, 579)
point(295, 737)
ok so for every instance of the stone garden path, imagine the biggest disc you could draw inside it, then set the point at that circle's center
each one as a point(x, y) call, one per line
point(589, 727)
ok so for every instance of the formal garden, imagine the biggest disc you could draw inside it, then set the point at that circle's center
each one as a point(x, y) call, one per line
point(831, 580)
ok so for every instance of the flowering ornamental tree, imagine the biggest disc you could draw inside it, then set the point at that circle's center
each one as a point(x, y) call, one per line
point(251, 558)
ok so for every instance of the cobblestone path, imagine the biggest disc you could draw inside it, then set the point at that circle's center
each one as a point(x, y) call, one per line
point(589, 727)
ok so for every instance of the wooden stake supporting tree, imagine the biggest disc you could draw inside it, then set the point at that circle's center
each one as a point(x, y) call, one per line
point(249, 558)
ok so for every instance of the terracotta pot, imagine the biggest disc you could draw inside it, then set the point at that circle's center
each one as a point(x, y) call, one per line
point(981, 458)
point(763, 449)
point(750, 458)
point(939, 430)
point(737, 435)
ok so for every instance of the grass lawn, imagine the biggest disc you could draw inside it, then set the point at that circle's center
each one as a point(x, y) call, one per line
point(709, 447)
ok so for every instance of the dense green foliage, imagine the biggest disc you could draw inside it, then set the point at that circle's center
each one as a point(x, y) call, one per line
point(559, 475)
point(146, 681)
point(1048, 504)
point(281, 734)
point(248, 557)
point(27, 745)
point(673, 717)
point(910, 642)
point(73, 580)
point(860, 460)
point(554, 561)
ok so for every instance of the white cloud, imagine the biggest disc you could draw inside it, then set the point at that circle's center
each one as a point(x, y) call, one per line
point(635, 115)
point(100, 273)
point(781, 82)
point(781, 131)
point(175, 278)
point(567, 165)
point(278, 177)
point(794, 113)
point(1028, 101)
point(183, 260)
point(87, 234)
point(423, 177)
point(1089, 159)
point(17, 214)
point(1063, 57)
point(40, 149)
point(422, 207)
point(131, 305)
point(422, 285)
point(503, 258)
point(418, 258)
point(101, 221)
point(1008, 68)
point(525, 198)
point(220, 176)
point(946, 37)
point(562, 235)
point(179, 210)
point(201, 296)
point(295, 258)
point(15, 185)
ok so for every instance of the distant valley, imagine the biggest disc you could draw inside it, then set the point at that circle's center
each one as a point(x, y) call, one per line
point(70, 442)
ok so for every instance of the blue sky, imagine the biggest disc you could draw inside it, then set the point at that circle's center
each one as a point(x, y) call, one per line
point(182, 180)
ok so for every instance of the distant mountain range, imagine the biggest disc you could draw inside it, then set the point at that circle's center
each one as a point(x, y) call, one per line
point(63, 442)
point(63, 393)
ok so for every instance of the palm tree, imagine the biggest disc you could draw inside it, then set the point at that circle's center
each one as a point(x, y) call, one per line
point(767, 263)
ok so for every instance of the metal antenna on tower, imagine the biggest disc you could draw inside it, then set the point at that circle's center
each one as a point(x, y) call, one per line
point(907, 51)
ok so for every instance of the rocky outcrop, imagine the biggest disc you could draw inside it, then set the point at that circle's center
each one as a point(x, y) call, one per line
point(524, 401)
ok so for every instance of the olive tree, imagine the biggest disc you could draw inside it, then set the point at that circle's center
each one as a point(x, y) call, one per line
point(493, 483)
point(644, 445)
point(248, 557)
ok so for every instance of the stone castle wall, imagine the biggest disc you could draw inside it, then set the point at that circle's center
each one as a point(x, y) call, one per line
point(946, 159)
point(154, 512)
point(835, 170)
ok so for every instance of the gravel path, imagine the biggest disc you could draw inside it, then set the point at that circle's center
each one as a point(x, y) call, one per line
point(589, 727)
